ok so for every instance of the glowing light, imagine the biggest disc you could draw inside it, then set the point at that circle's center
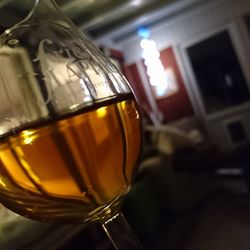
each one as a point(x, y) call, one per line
point(143, 32)
point(28, 136)
point(101, 112)
point(124, 105)
point(155, 69)
point(137, 115)
point(2, 183)
point(74, 106)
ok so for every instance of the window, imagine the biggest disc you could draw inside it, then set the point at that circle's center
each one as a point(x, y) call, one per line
point(218, 73)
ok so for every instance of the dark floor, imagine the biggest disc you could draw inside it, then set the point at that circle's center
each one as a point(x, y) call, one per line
point(189, 209)
point(220, 221)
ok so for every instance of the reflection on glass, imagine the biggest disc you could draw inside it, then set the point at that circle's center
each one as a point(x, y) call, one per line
point(70, 126)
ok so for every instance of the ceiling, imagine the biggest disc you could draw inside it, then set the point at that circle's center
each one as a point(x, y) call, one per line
point(101, 17)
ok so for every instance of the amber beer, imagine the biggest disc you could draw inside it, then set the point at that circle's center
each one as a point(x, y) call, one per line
point(69, 167)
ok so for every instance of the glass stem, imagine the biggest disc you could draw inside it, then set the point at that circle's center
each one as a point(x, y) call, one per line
point(120, 233)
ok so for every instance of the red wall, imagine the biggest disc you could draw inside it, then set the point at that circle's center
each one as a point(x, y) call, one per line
point(173, 107)
point(133, 76)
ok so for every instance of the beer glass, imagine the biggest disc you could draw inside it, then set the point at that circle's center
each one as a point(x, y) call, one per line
point(70, 129)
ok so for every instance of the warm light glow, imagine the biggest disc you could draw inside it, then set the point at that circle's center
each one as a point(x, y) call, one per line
point(123, 105)
point(155, 69)
point(28, 136)
point(137, 115)
point(101, 112)
point(2, 183)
